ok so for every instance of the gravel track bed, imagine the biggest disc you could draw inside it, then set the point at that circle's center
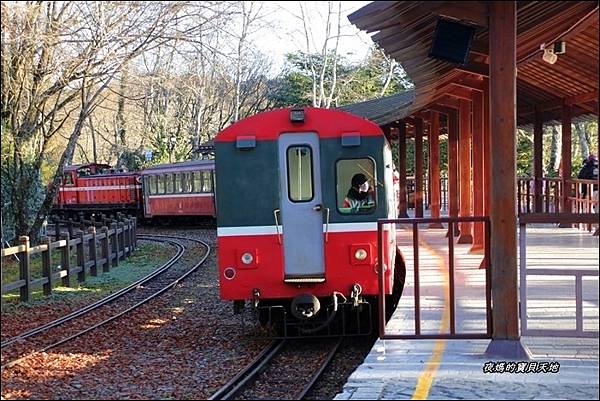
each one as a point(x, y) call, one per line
point(349, 356)
point(26, 318)
point(106, 311)
point(289, 371)
point(183, 344)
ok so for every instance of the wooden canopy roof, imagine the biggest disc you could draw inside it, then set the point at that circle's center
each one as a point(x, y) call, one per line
point(406, 28)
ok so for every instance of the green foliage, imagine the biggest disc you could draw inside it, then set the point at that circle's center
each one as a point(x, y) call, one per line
point(354, 82)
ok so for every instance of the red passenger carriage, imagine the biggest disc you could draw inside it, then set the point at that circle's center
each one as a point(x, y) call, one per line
point(179, 190)
point(289, 239)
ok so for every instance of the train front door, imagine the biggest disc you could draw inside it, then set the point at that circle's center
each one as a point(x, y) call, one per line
point(301, 207)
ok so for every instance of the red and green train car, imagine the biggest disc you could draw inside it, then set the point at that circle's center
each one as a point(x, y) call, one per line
point(289, 242)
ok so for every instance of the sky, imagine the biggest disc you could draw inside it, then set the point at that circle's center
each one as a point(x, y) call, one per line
point(284, 30)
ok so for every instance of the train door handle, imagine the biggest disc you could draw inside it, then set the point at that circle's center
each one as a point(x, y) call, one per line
point(277, 225)
point(318, 207)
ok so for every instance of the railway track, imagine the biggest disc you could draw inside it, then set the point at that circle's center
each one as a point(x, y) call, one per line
point(286, 369)
point(108, 309)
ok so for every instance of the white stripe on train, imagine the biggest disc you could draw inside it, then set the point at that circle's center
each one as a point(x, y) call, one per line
point(99, 188)
point(272, 230)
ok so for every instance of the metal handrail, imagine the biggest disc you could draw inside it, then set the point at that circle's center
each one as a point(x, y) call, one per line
point(277, 225)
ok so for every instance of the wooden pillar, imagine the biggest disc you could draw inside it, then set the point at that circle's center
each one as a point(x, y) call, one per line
point(434, 167)
point(453, 165)
point(538, 135)
point(503, 213)
point(487, 155)
point(418, 167)
point(478, 171)
point(566, 158)
point(464, 143)
point(402, 206)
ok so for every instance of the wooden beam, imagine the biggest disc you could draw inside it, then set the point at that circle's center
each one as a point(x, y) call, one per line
point(464, 163)
point(453, 164)
point(559, 102)
point(470, 82)
point(480, 69)
point(503, 75)
point(565, 173)
point(418, 167)
point(478, 171)
point(402, 207)
point(434, 168)
point(538, 137)
point(459, 92)
point(474, 12)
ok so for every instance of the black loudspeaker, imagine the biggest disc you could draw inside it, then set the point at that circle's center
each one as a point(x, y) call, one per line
point(452, 41)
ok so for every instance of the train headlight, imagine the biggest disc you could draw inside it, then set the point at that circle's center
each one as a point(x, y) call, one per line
point(247, 258)
point(360, 254)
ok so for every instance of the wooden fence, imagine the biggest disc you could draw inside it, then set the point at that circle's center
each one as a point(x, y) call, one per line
point(113, 244)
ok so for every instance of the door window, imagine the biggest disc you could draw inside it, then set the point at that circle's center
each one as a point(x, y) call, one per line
point(299, 173)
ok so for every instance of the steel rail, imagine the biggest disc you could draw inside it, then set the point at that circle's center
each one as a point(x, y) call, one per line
point(233, 386)
point(144, 301)
point(302, 394)
point(100, 302)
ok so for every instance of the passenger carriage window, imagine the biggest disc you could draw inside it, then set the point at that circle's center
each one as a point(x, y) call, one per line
point(299, 173)
point(169, 183)
point(178, 186)
point(186, 182)
point(356, 186)
point(197, 181)
point(206, 181)
point(160, 184)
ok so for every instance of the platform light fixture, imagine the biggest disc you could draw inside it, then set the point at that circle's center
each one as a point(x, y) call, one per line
point(549, 56)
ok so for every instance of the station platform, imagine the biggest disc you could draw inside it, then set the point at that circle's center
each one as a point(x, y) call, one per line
point(559, 368)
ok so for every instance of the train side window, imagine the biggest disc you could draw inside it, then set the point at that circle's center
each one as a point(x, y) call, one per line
point(356, 186)
point(206, 181)
point(160, 184)
point(67, 179)
point(186, 182)
point(150, 184)
point(178, 187)
point(168, 183)
point(197, 181)
point(299, 173)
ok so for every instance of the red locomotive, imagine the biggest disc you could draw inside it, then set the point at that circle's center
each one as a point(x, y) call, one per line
point(161, 193)
point(300, 192)
point(98, 188)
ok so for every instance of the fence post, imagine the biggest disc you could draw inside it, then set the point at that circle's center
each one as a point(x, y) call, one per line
point(121, 238)
point(47, 266)
point(134, 232)
point(57, 228)
point(93, 251)
point(70, 227)
point(24, 273)
point(81, 257)
point(115, 243)
point(66, 259)
point(105, 249)
point(125, 238)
